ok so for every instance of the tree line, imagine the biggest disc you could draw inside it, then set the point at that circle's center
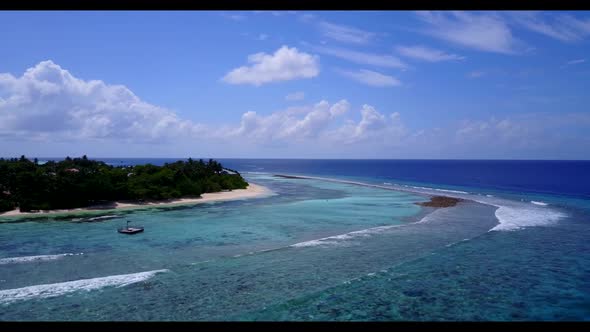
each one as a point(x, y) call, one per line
point(81, 182)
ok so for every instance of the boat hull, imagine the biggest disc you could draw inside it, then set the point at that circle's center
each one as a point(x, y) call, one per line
point(130, 230)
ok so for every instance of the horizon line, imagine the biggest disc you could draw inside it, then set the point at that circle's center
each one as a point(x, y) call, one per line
point(267, 158)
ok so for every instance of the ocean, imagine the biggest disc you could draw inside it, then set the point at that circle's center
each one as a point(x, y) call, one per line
point(346, 243)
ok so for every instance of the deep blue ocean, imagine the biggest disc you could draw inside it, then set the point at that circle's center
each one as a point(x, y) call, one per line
point(571, 178)
point(345, 243)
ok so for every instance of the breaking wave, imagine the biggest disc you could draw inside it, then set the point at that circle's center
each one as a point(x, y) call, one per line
point(511, 214)
point(337, 239)
point(513, 218)
point(101, 218)
point(52, 290)
point(33, 259)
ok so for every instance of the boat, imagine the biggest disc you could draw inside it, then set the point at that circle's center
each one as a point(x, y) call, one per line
point(130, 230)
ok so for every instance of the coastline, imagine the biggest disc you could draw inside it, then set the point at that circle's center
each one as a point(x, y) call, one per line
point(252, 191)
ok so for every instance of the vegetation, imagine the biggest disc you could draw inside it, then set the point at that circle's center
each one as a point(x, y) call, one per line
point(441, 201)
point(81, 182)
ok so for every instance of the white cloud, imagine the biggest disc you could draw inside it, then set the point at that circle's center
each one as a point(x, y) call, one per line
point(299, 95)
point(505, 132)
point(345, 33)
point(48, 101)
point(293, 124)
point(379, 60)
point(48, 104)
point(427, 54)
point(373, 126)
point(576, 61)
point(316, 120)
point(339, 108)
point(526, 135)
point(484, 32)
point(284, 65)
point(316, 130)
point(234, 17)
point(565, 28)
point(47, 108)
point(371, 78)
point(319, 125)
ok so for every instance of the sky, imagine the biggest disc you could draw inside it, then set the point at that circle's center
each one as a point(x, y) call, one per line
point(295, 84)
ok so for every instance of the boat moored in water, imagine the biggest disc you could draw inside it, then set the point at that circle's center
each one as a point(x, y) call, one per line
point(130, 230)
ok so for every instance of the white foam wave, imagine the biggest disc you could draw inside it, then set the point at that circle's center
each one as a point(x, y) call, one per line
point(513, 218)
point(510, 214)
point(387, 183)
point(429, 216)
point(539, 203)
point(338, 239)
point(438, 189)
point(201, 262)
point(32, 259)
point(452, 191)
point(104, 217)
point(52, 290)
point(424, 188)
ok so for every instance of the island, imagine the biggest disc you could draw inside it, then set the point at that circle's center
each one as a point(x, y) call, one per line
point(28, 186)
point(441, 202)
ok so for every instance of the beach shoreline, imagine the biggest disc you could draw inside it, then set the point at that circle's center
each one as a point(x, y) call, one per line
point(252, 191)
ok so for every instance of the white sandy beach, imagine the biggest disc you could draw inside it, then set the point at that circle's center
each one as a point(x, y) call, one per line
point(252, 191)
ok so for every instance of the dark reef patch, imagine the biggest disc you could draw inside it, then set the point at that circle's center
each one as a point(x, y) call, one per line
point(441, 201)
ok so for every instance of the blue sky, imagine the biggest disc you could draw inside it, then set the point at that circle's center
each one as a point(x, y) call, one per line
point(296, 84)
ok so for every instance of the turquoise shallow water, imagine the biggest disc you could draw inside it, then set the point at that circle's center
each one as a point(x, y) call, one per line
point(314, 251)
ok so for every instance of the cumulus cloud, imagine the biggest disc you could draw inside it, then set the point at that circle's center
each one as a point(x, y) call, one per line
point(373, 126)
point(49, 104)
point(48, 100)
point(321, 125)
point(371, 78)
point(485, 32)
point(292, 124)
point(284, 65)
point(299, 95)
point(424, 53)
point(47, 107)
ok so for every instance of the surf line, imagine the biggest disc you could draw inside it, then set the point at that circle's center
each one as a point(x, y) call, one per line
point(57, 289)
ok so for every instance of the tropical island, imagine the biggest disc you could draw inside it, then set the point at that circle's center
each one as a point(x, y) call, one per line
point(31, 186)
